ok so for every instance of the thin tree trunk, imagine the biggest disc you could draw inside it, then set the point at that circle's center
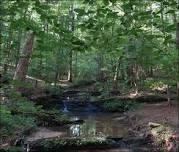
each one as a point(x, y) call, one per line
point(177, 46)
point(100, 62)
point(72, 28)
point(76, 67)
point(116, 75)
point(23, 62)
point(8, 51)
point(56, 77)
point(70, 68)
point(168, 95)
point(18, 47)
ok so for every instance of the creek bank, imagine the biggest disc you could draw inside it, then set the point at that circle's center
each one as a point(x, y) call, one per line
point(159, 120)
point(81, 98)
point(53, 145)
point(45, 97)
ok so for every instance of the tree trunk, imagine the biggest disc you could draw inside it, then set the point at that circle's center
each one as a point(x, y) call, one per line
point(70, 68)
point(72, 28)
point(8, 52)
point(168, 95)
point(116, 75)
point(177, 46)
point(76, 67)
point(100, 62)
point(177, 42)
point(23, 62)
point(56, 77)
point(18, 47)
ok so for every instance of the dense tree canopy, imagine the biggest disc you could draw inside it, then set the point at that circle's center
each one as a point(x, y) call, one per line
point(118, 46)
point(106, 39)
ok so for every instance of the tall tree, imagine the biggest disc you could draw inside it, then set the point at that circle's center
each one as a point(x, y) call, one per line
point(22, 66)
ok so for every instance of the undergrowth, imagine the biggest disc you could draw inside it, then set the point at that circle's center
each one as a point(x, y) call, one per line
point(116, 105)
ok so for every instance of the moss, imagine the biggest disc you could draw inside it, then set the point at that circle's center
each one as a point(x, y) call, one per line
point(54, 145)
point(116, 105)
point(12, 149)
point(74, 142)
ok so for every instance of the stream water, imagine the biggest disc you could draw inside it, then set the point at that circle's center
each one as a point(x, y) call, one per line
point(96, 124)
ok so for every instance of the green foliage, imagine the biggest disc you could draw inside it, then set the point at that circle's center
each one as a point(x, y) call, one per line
point(18, 114)
point(13, 115)
point(54, 90)
point(159, 84)
point(12, 149)
point(116, 105)
point(57, 143)
point(10, 124)
point(98, 33)
point(51, 118)
point(83, 83)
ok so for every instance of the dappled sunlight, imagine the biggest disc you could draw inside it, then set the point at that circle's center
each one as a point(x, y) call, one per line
point(88, 75)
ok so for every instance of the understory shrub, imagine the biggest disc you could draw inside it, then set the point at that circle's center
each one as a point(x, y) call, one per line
point(116, 105)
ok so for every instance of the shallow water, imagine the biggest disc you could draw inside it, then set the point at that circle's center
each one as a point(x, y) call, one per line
point(97, 125)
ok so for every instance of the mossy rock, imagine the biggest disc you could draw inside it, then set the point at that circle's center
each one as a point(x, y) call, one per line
point(56, 144)
point(161, 134)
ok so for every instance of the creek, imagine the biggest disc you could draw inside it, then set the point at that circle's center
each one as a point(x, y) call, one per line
point(97, 124)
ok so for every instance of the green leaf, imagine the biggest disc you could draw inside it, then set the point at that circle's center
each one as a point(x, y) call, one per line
point(106, 2)
point(80, 12)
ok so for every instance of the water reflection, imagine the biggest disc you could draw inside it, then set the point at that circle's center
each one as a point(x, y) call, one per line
point(98, 125)
point(75, 130)
point(87, 129)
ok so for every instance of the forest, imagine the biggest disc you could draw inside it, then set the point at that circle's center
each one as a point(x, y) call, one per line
point(89, 75)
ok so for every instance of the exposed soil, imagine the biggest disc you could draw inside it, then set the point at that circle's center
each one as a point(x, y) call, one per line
point(43, 132)
point(158, 113)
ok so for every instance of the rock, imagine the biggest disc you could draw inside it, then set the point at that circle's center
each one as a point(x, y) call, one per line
point(137, 141)
point(116, 139)
point(141, 149)
point(120, 118)
point(154, 125)
point(77, 121)
point(56, 144)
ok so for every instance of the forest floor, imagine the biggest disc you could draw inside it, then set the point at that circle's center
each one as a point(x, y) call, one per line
point(156, 112)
